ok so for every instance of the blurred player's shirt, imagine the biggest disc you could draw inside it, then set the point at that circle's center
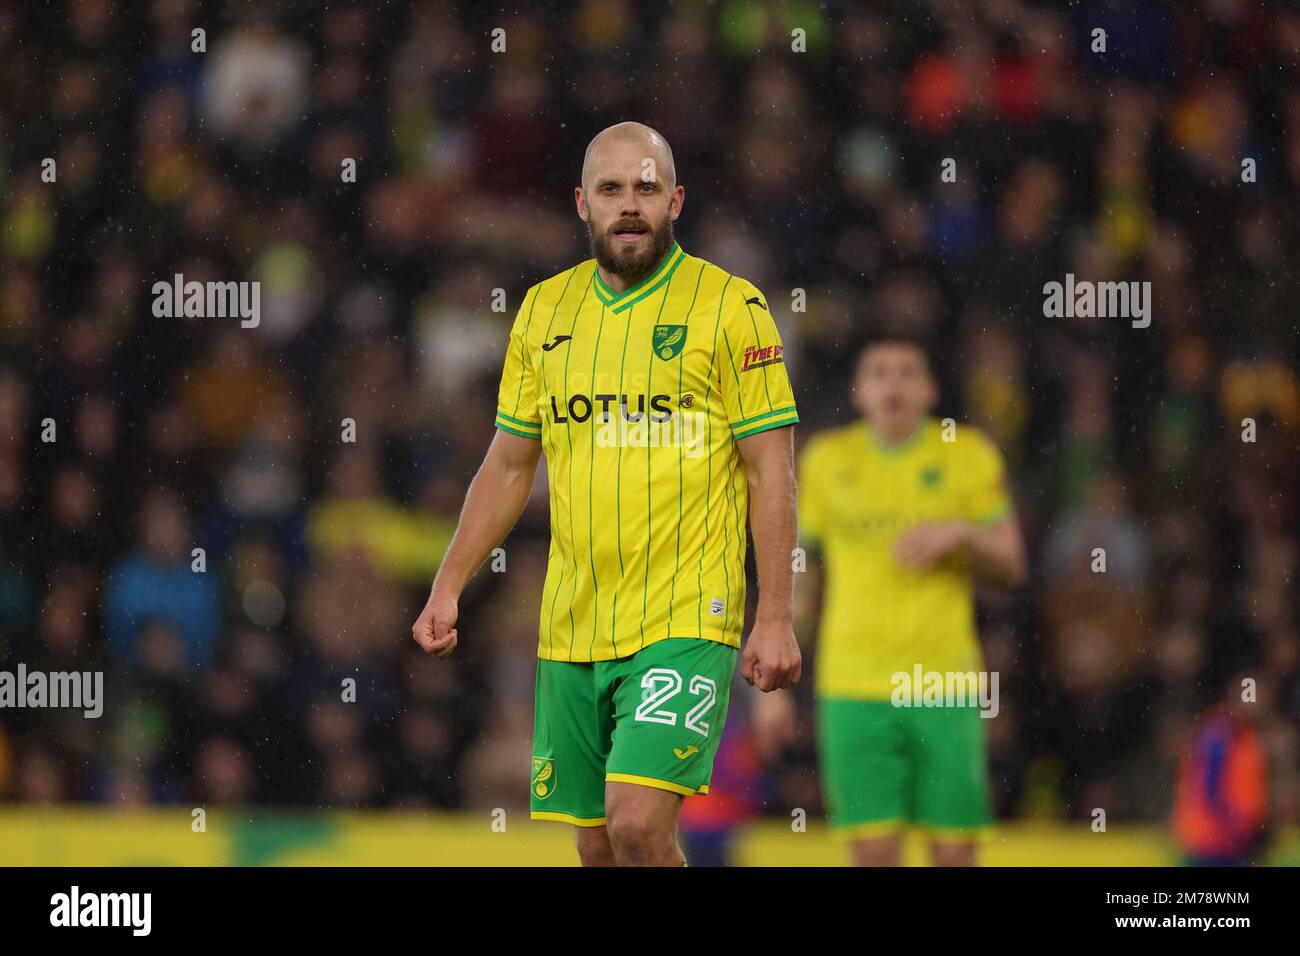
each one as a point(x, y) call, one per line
point(856, 498)
point(639, 399)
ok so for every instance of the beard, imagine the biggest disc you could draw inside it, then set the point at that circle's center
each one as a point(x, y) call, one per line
point(629, 265)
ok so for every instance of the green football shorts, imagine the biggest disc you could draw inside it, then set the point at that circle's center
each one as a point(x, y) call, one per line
point(884, 766)
point(654, 719)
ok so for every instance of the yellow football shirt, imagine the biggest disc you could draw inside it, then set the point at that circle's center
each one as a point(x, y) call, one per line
point(856, 498)
point(638, 399)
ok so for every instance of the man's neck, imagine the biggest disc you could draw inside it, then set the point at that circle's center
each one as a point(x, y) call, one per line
point(896, 437)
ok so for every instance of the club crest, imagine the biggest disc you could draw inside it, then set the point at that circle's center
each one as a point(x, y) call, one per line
point(543, 784)
point(668, 340)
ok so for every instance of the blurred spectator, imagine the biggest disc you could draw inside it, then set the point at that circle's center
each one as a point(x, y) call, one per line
point(157, 582)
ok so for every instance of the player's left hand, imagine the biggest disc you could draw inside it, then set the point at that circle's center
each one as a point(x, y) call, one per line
point(435, 629)
point(771, 657)
point(929, 542)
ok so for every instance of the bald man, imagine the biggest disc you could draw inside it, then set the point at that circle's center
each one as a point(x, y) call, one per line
point(654, 383)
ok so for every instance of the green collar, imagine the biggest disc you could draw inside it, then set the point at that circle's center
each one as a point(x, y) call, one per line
point(619, 301)
point(904, 446)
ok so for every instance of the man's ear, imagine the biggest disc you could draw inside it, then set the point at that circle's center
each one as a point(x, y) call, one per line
point(580, 201)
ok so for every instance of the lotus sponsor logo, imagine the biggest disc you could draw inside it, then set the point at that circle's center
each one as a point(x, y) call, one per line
point(579, 408)
point(635, 421)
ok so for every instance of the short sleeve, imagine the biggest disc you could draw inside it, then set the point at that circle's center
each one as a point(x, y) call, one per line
point(517, 394)
point(755, 384)
point(812, 522)
point(987, 500)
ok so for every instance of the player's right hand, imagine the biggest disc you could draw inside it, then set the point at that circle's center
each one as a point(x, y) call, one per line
point(435, 629)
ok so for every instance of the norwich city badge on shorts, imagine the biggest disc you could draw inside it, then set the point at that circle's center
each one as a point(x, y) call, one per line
point(543, 777)
point(667, 340)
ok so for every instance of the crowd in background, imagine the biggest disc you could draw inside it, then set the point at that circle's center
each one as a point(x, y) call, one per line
point(128, 440)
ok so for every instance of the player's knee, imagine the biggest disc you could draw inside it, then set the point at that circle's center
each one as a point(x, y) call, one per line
point(953, 854)
point(878, 851)
point(593, 846)
point(635, 836)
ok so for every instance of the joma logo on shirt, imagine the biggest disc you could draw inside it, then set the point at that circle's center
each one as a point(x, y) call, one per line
point(759, 356)
point(581, 407)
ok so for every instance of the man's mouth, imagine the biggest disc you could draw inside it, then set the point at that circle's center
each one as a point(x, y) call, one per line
point(630, 235)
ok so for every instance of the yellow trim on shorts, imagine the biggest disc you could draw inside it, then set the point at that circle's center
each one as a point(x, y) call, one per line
point(567, 818)
point(656, 784)
point(872, 828)
point(851, 831)
point(977, 831)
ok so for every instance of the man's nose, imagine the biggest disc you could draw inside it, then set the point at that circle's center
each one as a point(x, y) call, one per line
point(629, 206)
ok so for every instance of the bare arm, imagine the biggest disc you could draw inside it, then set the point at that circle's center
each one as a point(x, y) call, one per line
point(493, 504)
point(996, 551)
point(771, 657)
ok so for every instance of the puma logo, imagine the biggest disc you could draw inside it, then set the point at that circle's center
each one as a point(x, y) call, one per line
point(756, 301)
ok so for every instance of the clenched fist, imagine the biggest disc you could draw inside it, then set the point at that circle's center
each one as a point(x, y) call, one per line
point(435, 629)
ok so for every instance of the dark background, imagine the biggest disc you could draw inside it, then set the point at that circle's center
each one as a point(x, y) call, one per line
point(816, 171)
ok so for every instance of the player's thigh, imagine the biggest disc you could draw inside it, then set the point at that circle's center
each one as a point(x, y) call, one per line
point(863, 766)
point(952, 787)
point(670, 705)
point(570, 743)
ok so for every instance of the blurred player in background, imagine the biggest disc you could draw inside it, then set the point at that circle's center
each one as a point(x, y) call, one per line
point(655, 384)
point(1221, 805)
point(905, 512)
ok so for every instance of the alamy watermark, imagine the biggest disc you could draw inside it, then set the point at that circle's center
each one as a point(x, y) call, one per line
point(208, 300)
point(132, 911)
point(75, 690)
point(685, 430)
point(1103, 300)
point(922, 688)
